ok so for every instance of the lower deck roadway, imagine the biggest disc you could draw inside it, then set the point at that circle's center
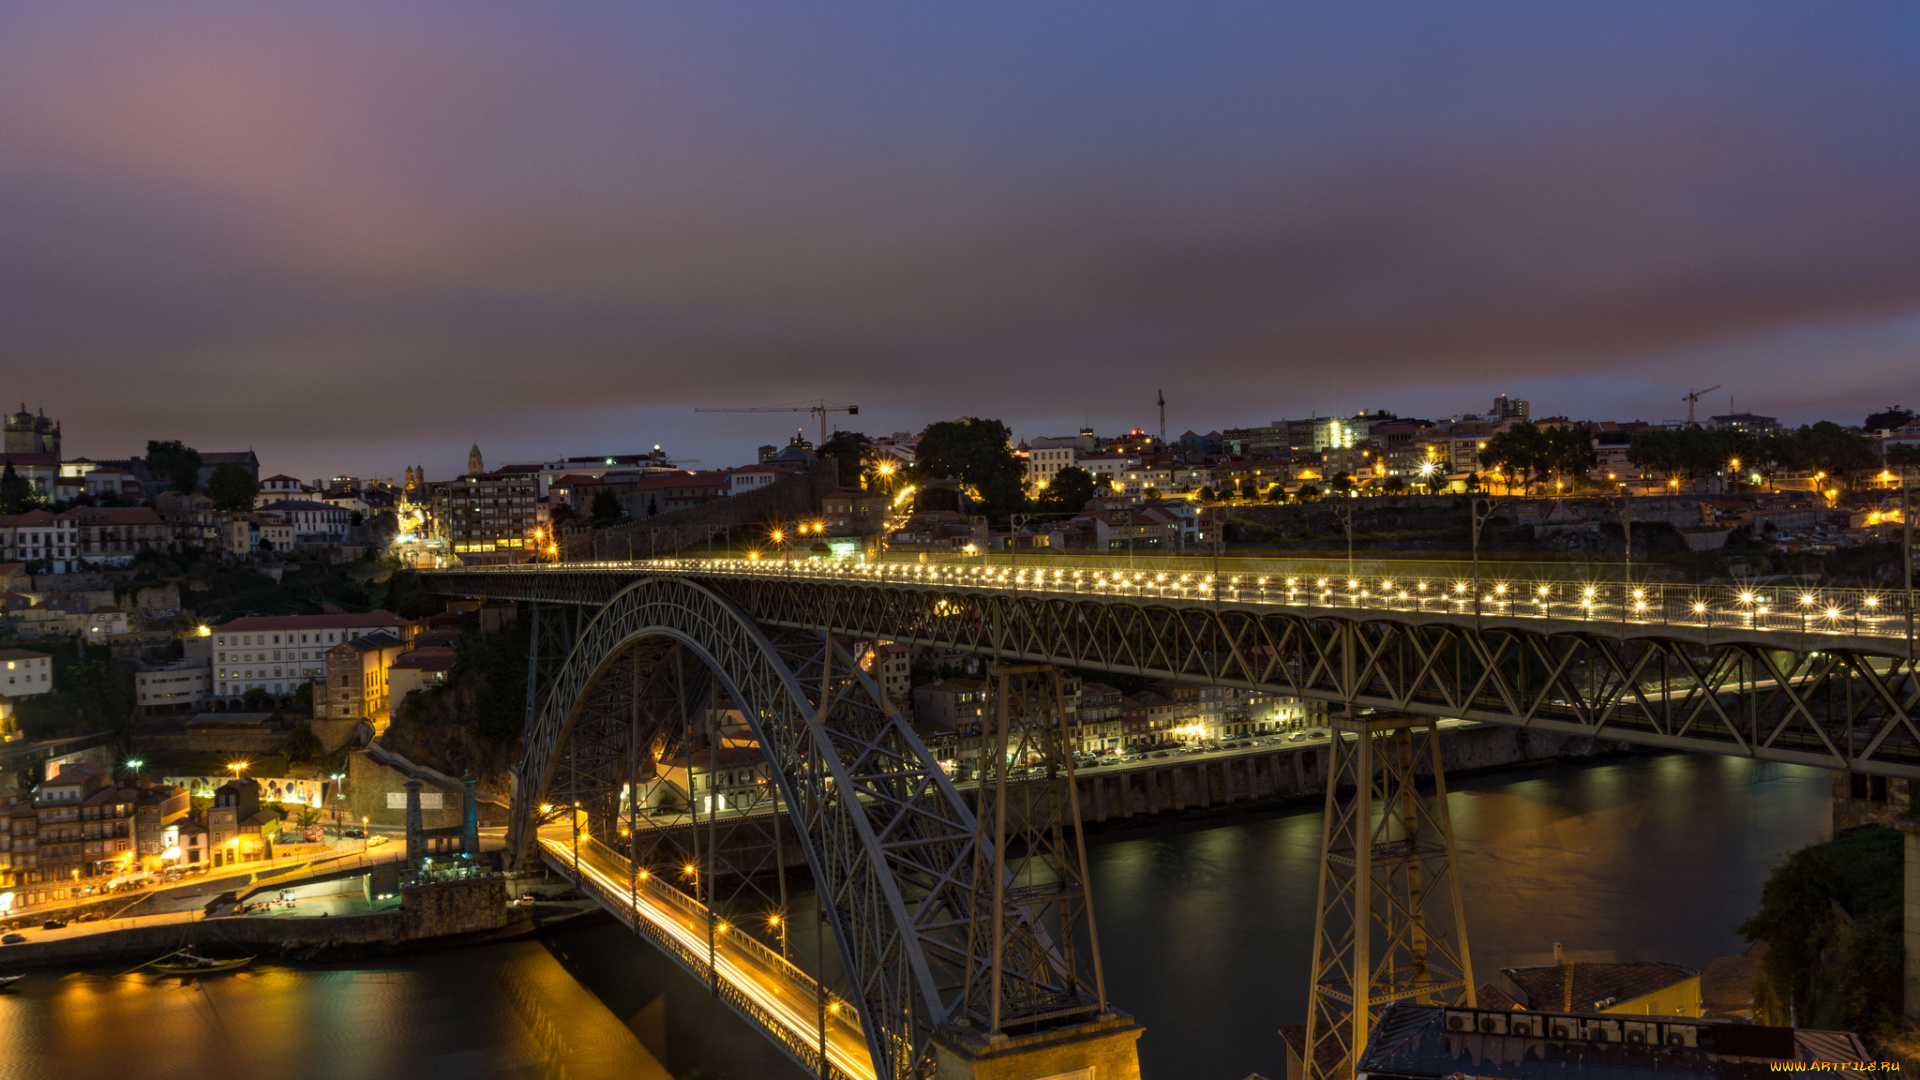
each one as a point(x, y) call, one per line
point(779, 990)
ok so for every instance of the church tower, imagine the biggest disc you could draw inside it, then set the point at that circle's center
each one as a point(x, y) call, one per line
point(475, 466)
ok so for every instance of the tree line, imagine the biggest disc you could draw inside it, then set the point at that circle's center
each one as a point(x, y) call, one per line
point(1691, 453)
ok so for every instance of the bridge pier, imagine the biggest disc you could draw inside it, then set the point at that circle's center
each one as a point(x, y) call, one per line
point(1102, 1047)
point(1389, 925)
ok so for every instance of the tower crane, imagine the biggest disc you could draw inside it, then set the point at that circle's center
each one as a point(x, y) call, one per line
point(1693, 396)
point(819, 407)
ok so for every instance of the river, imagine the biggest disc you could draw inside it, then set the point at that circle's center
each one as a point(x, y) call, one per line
point(1207, 925)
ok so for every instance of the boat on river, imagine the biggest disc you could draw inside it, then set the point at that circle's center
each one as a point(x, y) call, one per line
point(9, 980)
point(186, 963)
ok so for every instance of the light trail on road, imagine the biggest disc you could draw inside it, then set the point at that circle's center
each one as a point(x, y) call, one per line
point(795, 1005)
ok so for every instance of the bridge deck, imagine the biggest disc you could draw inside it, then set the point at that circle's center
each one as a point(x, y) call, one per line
point(1794, 617)
point(774, 996)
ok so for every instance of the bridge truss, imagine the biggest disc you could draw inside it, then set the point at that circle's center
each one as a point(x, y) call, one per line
point(893, 849)
point(1832, 701)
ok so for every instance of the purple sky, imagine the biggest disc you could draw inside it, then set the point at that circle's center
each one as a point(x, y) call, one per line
point(353, 236)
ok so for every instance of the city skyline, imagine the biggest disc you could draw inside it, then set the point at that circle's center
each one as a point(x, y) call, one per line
point(355, 238)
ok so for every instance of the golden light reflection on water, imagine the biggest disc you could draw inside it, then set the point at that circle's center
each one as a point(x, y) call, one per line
point(507, 1010)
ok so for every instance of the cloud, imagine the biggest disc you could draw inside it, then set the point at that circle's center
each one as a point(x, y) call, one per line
point(353, 236)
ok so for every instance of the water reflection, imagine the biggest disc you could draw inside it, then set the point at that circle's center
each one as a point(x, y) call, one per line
point(1208, 924)
point(1206, 927)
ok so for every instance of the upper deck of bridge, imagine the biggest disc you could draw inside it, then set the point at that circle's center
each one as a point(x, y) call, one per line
point(1795, 617)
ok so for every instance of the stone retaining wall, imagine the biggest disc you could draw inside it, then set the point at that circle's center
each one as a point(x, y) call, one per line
point(427, 912)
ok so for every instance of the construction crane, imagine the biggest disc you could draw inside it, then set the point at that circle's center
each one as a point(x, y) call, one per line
point(819, 407)
point(1694, 396)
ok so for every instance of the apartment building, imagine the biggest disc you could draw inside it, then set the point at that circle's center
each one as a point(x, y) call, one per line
point(277, 653)
point(24, 673)
point(494, 517)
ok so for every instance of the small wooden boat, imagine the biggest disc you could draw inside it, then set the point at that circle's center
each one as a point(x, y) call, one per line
point(186, 963)
point(9, 980)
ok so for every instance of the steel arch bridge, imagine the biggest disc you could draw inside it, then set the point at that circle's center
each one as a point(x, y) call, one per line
point(891, 843)
point(1731, 685)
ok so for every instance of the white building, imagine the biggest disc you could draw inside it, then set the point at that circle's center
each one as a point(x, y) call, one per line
point(279, 652)
point(37, 536)
point(280, 488)
point(1045, 461)
point(105, 620)
point(1111, 466)
point(24, 673)
point(312, 522)
point(181, 685)
point(752, 478)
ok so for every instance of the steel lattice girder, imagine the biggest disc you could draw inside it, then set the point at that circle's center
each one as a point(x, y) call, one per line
point(889, 839)
point(1835, 703)
point(1388, 924)
point(1853, 707)
point(1832, 702)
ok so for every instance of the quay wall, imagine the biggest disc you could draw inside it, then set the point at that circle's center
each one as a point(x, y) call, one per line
point(1172, 785)
point(427, 913)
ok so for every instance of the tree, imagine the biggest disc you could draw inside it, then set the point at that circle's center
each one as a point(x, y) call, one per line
point(1520, 453)
point(232, 488)
point(1068, 491)
point(1905, 457)
point(653, 506)
point(1827, 447)
point(1341, 483)
point(1831, 917)
point(257, 699)
point(16, 492)
point(1893, 416)
point(979, 454)
point(607, 509)
point(1205, 494)
point(560, 514)
point(849, 451)
point(177, 462)
point(1569, 453)
point(303, 744)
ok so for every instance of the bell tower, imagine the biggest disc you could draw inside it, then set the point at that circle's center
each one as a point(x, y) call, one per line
point(475, 466)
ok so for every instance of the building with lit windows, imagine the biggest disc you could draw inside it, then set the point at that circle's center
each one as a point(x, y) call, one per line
point(277, 653)
point(494, 517)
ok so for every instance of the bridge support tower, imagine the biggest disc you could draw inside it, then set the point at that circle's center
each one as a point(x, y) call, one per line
point(1389, 925)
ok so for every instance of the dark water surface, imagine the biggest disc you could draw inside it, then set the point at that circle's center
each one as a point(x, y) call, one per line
point(1206, 926)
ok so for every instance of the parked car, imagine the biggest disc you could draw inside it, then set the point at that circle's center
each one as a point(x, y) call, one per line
point(1298, 736)
point(376, 841)
point(13, 939)
point(1160, 753)
point(1318, 734)
point(53, 924)
point(91, 916)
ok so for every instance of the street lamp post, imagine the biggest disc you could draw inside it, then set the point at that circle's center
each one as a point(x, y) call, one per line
point(1906, 556)
point(364, 836)
point(1480, 508)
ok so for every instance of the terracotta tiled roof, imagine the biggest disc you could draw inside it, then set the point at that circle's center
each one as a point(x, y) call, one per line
point(368, 621)
point(1580, 986)
point(22, 654)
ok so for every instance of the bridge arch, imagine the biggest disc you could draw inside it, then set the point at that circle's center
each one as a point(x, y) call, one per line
point(889, 840)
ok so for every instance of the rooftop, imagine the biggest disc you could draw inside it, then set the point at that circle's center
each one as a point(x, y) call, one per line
point(1422, 1041)
point(1583, 985)
point(367, 620)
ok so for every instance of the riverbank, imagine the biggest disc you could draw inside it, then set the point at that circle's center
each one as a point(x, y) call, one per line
point(439, 914)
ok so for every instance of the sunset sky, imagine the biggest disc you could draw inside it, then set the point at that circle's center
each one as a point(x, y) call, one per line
point(356, 236)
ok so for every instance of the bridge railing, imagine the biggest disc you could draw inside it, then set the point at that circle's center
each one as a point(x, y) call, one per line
point(1878, 613)
point(805, 1051)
